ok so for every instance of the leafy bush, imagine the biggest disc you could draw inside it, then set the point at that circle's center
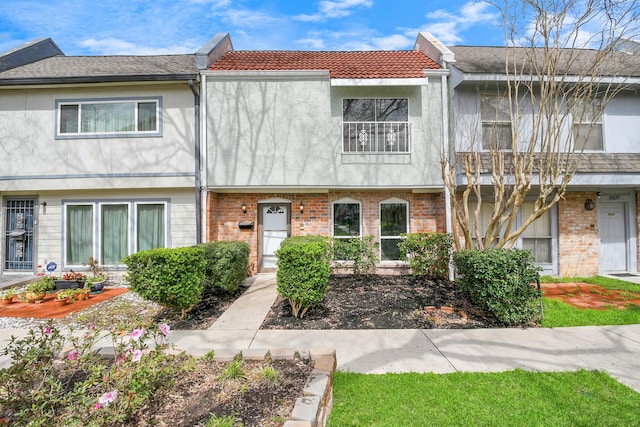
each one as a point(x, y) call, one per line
point(227, 264)
point(361, 253)
point(83, 388)
point(428, 253)
point(171, 277)
point(500, 282)
point(303, 271)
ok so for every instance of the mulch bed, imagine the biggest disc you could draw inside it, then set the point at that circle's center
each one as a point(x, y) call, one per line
point(383, 302)
point(583, 295)
point(50, 309)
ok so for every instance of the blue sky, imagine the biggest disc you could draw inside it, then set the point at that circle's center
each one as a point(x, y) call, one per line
point(123, 27)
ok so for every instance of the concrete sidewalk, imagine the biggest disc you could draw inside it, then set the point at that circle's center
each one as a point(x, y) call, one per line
point(614, 349)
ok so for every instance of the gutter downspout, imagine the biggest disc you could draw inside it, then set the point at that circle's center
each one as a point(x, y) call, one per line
point(447, 153)
point(198, 159)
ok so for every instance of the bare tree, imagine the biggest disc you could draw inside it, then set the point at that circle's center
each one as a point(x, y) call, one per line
point(561, 69)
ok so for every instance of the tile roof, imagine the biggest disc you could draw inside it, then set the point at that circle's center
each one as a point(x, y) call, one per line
point(102, 68)
point(341, 65)
point(491, 60)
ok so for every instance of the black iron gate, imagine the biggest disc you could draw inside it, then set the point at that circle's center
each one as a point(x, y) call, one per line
point(19, 234)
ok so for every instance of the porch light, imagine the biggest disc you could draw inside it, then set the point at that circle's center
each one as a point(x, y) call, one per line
point(589, 205)
point(301, 208)
point(244, 207)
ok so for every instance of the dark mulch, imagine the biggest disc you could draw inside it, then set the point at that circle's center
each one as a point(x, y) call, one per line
point(383, 302)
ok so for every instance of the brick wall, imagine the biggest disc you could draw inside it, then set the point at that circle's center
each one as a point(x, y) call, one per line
point(577, 235)
point(426, 213)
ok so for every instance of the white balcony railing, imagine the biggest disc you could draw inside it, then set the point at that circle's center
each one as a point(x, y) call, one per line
point(376, 137)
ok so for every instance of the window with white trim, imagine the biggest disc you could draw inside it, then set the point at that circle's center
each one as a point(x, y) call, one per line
point(394, 221)
point(495, 114)
point(346, 222)
point(111, 239)
point(587, 125)
point(105, 118)
point(372, 125)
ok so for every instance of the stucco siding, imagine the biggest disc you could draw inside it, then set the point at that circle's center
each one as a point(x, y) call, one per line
point(288, 133)
point(34, 159)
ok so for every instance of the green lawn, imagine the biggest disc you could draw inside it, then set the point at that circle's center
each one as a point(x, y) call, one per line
point(514, 398)
point(557, 313)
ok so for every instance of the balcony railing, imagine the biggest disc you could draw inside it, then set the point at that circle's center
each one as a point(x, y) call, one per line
point(376, 137)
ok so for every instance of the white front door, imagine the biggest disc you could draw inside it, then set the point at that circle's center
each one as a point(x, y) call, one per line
point(613, 237)
point(275, 219)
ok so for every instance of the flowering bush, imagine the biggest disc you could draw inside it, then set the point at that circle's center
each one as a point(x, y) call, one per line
point(83, 387)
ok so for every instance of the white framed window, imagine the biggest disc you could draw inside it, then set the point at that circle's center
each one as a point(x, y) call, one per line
point(495, 114)
point(108, 117)
point(111, 230)
point(587, 125)
point(375, 125)
point(394, 221)
point(347, 225)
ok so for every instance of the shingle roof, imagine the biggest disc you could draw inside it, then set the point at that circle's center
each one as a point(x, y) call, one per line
point(102, 68)
point(491, 60)
point(341, 65)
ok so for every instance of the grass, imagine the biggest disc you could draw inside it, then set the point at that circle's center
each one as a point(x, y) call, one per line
point(558, 313)
point(522, 398)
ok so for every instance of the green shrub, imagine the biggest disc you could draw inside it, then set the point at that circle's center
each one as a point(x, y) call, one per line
point(500, 282)
point(227, 264)
point(428, 253)
point(303, 271)
point(173, 278)
point(360, 252)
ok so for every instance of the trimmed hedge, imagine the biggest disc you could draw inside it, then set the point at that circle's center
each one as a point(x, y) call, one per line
point(227, 264)
point(303, 271)
point(173, 278)
point(428, 253)
point(501, 282)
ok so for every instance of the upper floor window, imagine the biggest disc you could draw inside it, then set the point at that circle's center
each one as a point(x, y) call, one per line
point(495, 114)
point(394, 220)
point(587, 125)
point(375, 125)
point(104, 118)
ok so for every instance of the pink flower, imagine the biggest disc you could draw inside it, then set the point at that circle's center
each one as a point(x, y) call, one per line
point(120, 358)
point(136, 334)
point(46, 330)
point(137, 354)
point(98, 406)
point(108, 397)
point(73, 355)
point(164, 328)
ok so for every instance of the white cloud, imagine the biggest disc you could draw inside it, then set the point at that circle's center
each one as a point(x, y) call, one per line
point(333, 9)
point(449, 27)
point(113, 46)
point(311, 43)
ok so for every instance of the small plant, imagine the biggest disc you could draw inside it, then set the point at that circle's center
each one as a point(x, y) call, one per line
point(226, 421)
point(96, 271)
point(68, 294)
point(233, 370)
point(72, 275)
point(429, 254)
point(8, 294)
point(43, 285)
point(359, 251)
point(269, 376)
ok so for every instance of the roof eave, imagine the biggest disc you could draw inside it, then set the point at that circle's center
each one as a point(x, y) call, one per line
point(415, 81)
point(96, 79)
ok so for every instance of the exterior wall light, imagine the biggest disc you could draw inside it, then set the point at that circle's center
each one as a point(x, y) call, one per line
point(301, 208)
point(244, 207)
point(589, 205)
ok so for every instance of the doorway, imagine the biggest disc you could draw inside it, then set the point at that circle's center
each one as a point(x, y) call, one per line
point(19, 235)
point(274, 225)
point(613, 236)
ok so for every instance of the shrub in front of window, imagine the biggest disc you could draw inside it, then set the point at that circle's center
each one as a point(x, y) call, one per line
point(501, 282)
point(359, 252)
point(227, 264)
point(173, 278)
point(428, 253)
point(303, 271)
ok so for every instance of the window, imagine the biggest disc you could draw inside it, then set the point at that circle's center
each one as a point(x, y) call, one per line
point(108, 118)
point(375, 125)
point(111, 240)
point(346, 224)
point(393, 222)
point(537, 237)
point(495, 114)
point(587, 125)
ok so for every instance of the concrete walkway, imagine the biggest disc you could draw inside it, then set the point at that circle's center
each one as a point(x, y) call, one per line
point(615, 349)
